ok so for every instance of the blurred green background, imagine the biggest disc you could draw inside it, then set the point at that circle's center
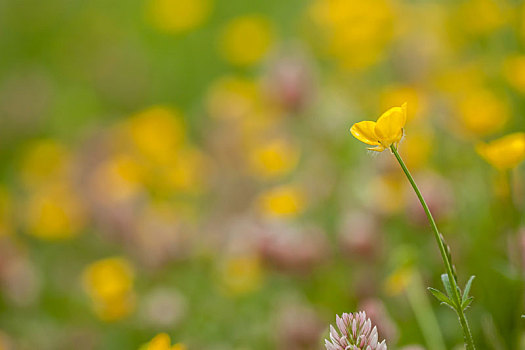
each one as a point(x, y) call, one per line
point(186, 166)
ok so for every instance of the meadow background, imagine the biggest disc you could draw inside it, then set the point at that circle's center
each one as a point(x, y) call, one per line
point(186, 166)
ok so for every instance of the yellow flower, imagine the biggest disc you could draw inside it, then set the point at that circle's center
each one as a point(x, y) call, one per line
point(482, 112)
point(274, 158)
point(398, 94)
point(187, 173)
point(120, 177)
point(162, 341)
point(109, 277)
point(398, 281)
point(232, 98)
point(480, 17)
point(387, 193)
point(417, 148)
point(514, 70)
point(283, 201)
point(115, 309)
point(46, 160)
point(387, 131)
point(504, 153)
point(246, 40)
point(55, 212)
point(241, 274)
point(157, 132)
point(109, 283)
point(455, 80)
point(184, 172)
point(174, 16)
point(356, 33)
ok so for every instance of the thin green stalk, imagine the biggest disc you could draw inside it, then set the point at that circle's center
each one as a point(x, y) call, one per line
point(467, 335)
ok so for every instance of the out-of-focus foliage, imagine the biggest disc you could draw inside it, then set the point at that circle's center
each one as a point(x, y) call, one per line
point(185, 167)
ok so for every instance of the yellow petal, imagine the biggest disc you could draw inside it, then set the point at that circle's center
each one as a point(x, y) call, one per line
point(504, 153)
point(161, 341)
point(377, 148)
point(389, 127)
point(364, 132)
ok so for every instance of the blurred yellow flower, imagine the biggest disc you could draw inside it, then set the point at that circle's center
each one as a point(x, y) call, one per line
point(239, 102)
point(241, 274)
point(108, 278)
point(263, 121)
point(398, 281)
point(232, 98)
point(283, 201)
point(459, 78)
point(504, 153)
point(157, 132)
point(387, 193)
point(246, 40)
point(482, 112)
point(54, 212)
point(175, 16)
point(514, 70)
point(120, 177)
point(46, 160)
point(387, 131)
point(398, 94)
point(417, 148)
point(185, 172)
point(162, 341)
point(356, 33)
point(109, 283)
point(273, 158)
point(481, 17)
point(112, 310)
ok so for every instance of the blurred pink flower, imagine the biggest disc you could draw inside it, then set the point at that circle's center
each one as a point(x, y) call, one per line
point(299, 327)
point(359, 236)
point(20, 281)
point(292, 249)
point(355, 333)
point(289, 80)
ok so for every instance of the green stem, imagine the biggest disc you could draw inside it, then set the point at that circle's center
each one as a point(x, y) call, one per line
point(467, 335)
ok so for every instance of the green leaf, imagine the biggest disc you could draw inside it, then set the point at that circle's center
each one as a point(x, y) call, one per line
point(466, 303)
point(467, 289)
point(448, 289)
point(439, 295)
point(446, 283)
